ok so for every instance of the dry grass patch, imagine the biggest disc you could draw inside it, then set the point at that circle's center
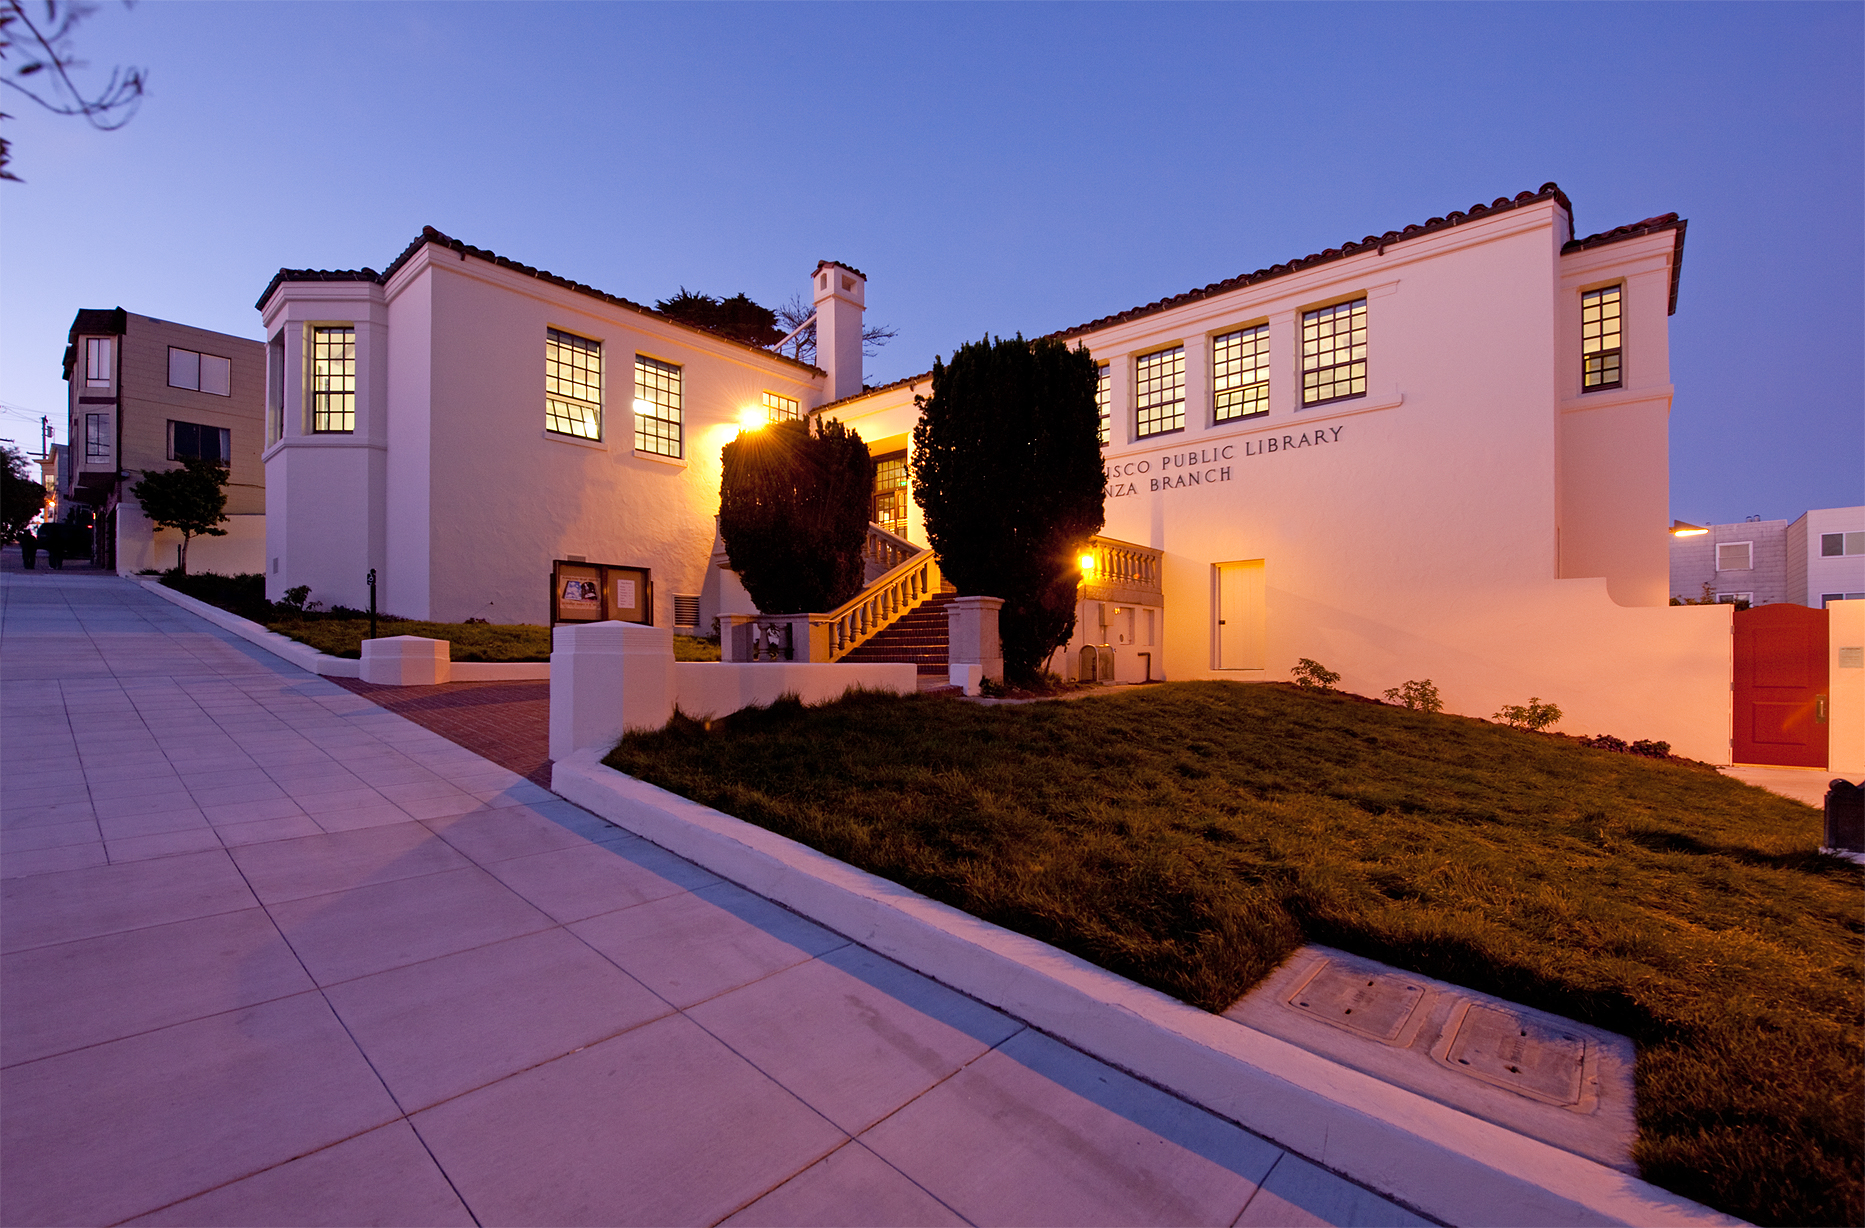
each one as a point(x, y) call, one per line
point(1191, 835)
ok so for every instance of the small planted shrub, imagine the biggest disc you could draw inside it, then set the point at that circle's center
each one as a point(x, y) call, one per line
point(1313, 675)
point(1649, 749)
point(295, 597)
point(1652, 750)
point(1606, 741)
point(1420, 695)
point(1533, 715)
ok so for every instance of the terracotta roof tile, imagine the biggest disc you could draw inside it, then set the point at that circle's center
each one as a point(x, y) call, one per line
point(1651, 225)
point(430, 235)
point(1379, 243)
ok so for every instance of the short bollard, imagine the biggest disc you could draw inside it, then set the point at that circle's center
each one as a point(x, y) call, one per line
point(1845, 817)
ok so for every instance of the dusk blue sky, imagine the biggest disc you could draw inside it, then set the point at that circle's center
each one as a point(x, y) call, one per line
point(993, 169)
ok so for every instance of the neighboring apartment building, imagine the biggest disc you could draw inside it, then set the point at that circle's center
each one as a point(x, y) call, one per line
point(1826, 556)
point(144, 395)
point(1814, 561)
point(1440, 452)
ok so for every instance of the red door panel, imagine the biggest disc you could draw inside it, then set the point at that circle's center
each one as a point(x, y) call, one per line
point(1780, 686)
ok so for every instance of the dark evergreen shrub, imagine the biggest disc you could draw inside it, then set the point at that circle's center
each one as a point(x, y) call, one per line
point(793, 511)
point(1007, 467)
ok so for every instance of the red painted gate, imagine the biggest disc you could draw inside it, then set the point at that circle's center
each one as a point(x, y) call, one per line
point(1780, 686)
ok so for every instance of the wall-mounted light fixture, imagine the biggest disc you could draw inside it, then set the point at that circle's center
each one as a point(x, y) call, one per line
point(1682, 528)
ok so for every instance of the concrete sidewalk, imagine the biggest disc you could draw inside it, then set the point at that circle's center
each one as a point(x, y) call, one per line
point(275, 955)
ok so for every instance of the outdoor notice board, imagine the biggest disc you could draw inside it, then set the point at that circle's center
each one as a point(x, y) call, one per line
point(599, 592)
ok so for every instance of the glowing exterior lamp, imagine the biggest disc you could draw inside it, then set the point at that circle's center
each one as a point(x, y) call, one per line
point(1087, 562)
point(752, 418)
point(1682, 528)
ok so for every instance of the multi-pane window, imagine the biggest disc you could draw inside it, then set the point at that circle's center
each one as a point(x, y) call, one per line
point(780, 408)
point(97, 362)
point(333, 380)
point(1735, 556)
point(1240, 374)
point(1159, 392)
point(1104, 400)
point(572, 385)
point(890, 492)
point(200, 372)
point(657, 408)
point(192, 441)
point(1334, 352)
point(97, 438)
point(1599, 339)
point(1838, 545)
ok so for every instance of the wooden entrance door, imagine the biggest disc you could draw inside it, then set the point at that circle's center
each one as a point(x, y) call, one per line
point(1780, 686)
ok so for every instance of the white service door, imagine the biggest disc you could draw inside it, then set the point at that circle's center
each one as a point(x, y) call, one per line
point(1241, 627)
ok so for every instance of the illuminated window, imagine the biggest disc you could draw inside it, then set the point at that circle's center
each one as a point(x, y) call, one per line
point(572, 385)
point(1104, 401)
point(657, 408)
point(97, 362)
point(1240, 374)
point(890, 492)
point(1599, 339)
point(1159, 392)
point(780, 408)
point(1334, 352)
point(333, 380)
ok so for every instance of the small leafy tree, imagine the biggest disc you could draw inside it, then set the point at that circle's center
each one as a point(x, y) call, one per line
point(793, 510)
point(191, 499)
point(1422, 696)
point(1007, 468)
point(1314, 676)
point(1532, 715)
point(21, 495)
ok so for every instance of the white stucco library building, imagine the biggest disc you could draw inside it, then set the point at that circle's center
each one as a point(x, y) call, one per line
point(1438, 452)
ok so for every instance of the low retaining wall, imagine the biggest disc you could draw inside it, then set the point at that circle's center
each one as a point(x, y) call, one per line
point(1454, 1167)
point(611, 677)
point(308, 658)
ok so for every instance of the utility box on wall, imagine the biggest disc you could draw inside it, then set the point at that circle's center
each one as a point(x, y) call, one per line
point(600, 592)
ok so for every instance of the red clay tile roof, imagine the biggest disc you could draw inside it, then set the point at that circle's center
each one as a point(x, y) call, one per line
point(1502, 204)
point(868, 392)
point(1651, 225)
point(430, 235)
point(823, 264)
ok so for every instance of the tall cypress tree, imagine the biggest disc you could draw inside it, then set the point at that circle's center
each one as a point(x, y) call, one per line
point(793, 511)
point(1007, 468)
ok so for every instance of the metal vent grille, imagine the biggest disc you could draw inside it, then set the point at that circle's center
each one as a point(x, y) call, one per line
point(685, 611)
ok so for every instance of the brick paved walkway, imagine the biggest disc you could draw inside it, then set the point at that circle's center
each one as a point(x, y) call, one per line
point(506, 722)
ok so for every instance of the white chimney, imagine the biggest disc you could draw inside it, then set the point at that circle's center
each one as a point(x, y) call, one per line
point(840, 296)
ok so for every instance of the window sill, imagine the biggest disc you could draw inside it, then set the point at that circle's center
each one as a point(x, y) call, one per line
point(599, 445)
point(1604, 398)
point(1177, 430)
point(677, 462)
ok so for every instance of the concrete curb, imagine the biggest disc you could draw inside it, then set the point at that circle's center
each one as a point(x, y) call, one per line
point(308, 658)
point(1444, 1163)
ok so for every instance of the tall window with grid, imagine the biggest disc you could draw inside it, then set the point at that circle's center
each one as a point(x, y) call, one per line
point(1159, 392)
point(1104, 400)
point(1599, 339)
point(780, 408)
point(97, 372)
point(97, 438)
point(572, 385)
point(890, 492)
point(333, 380)
point(1240, 374)
point(1334, 352)
point(657, 408)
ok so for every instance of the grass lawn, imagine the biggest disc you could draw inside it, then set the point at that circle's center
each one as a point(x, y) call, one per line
point(1191, 835)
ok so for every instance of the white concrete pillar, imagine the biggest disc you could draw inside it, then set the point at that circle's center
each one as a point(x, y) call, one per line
point(973, 651)
point(840, 295)
point(605, 679)
point(406, 660)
